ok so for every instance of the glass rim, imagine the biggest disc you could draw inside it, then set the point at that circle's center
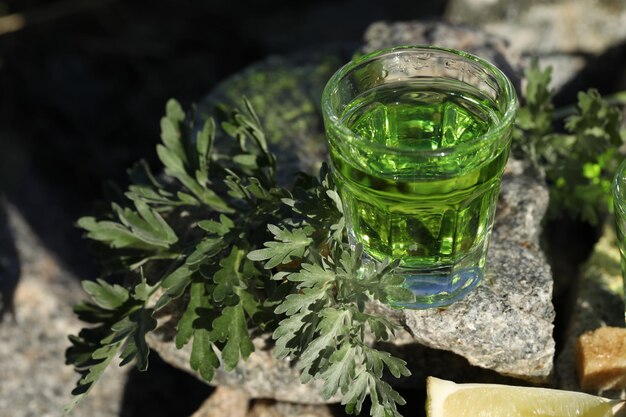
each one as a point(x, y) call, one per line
point(495, 132)
point(617, 190)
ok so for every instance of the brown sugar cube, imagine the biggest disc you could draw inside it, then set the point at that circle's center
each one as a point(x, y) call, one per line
point(601, 359)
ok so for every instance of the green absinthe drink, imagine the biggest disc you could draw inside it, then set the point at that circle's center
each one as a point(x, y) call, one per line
point(428, 222)
point(619, 205)
point(419, 138)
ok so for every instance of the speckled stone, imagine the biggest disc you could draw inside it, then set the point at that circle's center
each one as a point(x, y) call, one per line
point(492, 48)
point(232, 402)
point(496, 328)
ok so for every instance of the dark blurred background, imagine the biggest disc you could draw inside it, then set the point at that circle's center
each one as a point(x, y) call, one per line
point(83, 83)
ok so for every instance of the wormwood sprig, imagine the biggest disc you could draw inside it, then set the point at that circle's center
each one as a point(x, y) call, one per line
point(578, 158)
point(246, 254)
point(190, 229)
point(326, 322)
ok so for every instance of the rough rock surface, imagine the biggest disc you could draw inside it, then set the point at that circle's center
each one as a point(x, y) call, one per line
point(579, 26)
point(502, 328)
point(285, 93)
point(261, 376)
point(598, 303)
point(561, 33)
point(37, 293)
point(492, 48)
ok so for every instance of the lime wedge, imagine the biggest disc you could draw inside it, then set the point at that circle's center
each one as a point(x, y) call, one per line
point(448, 399)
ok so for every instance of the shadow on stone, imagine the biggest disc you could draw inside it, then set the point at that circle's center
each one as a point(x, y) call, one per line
point(163, 391)
point(424, 362)
point(9, 265)
point(568, 245)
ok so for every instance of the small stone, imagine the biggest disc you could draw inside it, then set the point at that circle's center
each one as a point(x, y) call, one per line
point(224, 401)
point(264, 408)
point(601, 359)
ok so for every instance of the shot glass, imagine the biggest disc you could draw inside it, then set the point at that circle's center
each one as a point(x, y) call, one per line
point(619, 208)
point(419, 137)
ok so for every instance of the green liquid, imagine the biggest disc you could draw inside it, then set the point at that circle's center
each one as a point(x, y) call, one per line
point(620, 229)
point(397, 207)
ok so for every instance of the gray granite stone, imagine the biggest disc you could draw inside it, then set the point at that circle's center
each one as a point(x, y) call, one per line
point(492, 48)
point(34, 380)
point(598, 302)
point(494, 328)
point(521, 207)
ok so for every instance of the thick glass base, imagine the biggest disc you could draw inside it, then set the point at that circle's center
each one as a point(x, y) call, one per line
point(439, 288)
point(442, 285)
point(439, 285)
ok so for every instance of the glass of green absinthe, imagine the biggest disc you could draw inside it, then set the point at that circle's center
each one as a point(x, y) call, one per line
point(419, 137)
